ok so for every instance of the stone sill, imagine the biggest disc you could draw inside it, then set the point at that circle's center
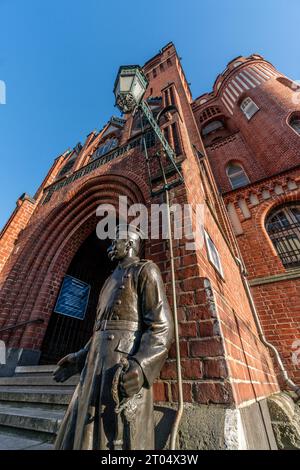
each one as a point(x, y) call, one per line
point(289, 274)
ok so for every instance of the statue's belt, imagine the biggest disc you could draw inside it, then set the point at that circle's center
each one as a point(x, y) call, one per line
point(120, 325)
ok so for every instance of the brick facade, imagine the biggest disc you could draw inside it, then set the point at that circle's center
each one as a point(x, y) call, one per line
point(223, 359)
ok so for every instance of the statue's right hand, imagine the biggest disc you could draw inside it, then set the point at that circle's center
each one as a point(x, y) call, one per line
point(67, 367)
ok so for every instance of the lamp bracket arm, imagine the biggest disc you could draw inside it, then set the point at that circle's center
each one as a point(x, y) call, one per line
point(151, 119)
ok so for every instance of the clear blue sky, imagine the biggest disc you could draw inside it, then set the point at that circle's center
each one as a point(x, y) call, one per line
point(59, 59)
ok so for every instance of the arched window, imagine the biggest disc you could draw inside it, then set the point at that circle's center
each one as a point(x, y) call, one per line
point(105, 147)
point(249, 108)
point(68, 166)
point(237, 176)
point(71, 159)
point(208, 112)
point(294, 122)
point(212, 127)
point(140, 122)
point(283, 227)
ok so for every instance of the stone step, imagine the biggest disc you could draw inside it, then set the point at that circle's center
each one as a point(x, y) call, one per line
point(30, 381)
point(35, 370)
point(32, 418)
point(15, 439)
point(38, 406)
point(32, 406)
point(59, 396)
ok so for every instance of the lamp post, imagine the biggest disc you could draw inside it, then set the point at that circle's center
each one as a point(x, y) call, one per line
point(129, 90)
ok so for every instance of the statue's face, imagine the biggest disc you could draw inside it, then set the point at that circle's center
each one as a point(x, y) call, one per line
point(118, 249)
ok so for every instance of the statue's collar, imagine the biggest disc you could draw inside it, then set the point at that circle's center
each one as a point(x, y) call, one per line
point(128, 262)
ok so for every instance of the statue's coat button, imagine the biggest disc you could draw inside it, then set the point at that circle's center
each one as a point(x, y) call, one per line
point(118, 302)
point(111, 337)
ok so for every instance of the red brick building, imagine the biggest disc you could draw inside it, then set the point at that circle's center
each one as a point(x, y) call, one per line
point(250, 128)
point(228, 371)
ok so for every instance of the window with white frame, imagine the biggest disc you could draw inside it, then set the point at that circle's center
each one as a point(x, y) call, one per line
point(237, 176)
point(294, 122)
point(249, 108)
point(105, 147)
point(213, 254)
point(68, 166)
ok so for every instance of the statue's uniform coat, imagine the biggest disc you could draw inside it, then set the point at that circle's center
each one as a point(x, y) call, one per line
point(139, 326)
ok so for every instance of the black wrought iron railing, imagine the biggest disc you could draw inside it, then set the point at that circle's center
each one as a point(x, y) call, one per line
point(286, 240)
point(21, 324)
point(97, 162)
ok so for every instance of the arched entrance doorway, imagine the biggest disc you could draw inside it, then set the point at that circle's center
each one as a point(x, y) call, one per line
point(66, 334)
point(45, 256)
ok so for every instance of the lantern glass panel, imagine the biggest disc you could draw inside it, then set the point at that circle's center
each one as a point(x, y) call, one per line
point(137, 90)
point(125, 84)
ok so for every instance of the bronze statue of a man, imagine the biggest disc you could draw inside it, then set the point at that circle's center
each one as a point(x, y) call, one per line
point(112, 406)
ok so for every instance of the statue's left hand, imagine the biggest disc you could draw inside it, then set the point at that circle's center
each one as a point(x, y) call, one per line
point(66, 368)
point(132, 380)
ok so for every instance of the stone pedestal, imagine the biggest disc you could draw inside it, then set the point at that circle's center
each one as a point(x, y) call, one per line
point(216, 427)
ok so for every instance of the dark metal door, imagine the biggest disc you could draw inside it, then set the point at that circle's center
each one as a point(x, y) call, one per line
point(66, 334)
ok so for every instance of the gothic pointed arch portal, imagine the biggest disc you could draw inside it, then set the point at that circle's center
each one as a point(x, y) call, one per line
point(49, 253)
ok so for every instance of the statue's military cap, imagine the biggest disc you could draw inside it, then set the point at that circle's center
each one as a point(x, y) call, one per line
point(125, 231)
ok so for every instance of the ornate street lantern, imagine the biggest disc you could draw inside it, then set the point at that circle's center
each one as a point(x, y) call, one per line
point(130, 87)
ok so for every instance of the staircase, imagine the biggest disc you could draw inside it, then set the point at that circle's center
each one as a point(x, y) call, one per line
point(32, 406)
